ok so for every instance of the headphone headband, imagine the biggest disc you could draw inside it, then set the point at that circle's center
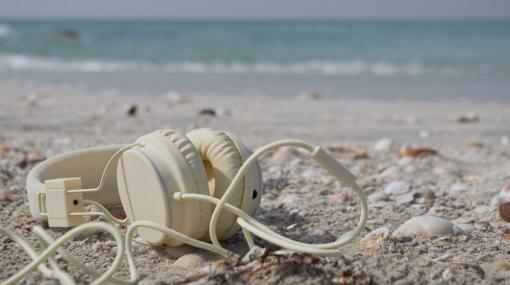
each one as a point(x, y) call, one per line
point(87, 164)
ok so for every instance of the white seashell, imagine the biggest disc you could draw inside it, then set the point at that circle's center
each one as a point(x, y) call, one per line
point(404, 199)
point(459, 187)
point(426, 226)
point(383, 145)
point(396, 187)
point(502, 197)
point(405, 161)
point(377, 196)
point(373, 239)
point(189, 261)
point(389, 172)
point(466, 228)
point(424, 134)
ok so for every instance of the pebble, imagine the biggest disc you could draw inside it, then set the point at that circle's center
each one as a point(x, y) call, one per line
point(373, 239)
point(189, 261)
point(384, 145)
point(426, 226)
point(5, 194)
point(131, 110)
point(504, 211)
point(396, 187)
point(208, 112)
point(471, 117)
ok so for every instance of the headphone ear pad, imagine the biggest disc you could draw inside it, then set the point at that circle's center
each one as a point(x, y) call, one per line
point(222, 155)
point(147, 178)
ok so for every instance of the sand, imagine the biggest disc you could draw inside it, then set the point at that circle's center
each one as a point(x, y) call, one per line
point(299, 199)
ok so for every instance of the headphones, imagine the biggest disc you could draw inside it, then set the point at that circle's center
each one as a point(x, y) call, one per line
point(174, 188)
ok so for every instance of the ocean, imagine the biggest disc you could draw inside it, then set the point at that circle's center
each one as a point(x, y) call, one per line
point(403, 59)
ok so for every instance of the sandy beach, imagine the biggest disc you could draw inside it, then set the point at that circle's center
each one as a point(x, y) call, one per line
point(451, 155)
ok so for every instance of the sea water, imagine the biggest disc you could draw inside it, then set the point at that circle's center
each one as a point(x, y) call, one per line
point(338, 58)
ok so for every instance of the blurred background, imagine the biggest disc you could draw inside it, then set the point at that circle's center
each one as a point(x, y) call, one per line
point(362, 49)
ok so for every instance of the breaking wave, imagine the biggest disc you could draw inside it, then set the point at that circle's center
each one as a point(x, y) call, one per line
point(16, 62)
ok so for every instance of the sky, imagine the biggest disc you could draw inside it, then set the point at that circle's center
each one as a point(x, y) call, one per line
point(257, 9)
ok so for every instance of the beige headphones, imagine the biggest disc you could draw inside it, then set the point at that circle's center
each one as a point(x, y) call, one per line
point(203, 161)
point(167, 183)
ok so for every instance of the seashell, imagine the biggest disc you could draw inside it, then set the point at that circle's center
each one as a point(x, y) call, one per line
point(339, 198)
point(176, 98)
point(471, 117)
point(396, 187)
point(5, 194)
point(189, 261)
point(424, 134)
point(354, 152)
point(4, 148)
point(502, 197)
point(474, 144)
point(408, 151)
point(459, 187)
point(377, 196)
point(404, 199)
point(504, 211)
point(309, 95)
point(466, 228)
point(383, 145)
point(426, 226)
point(373, 239)
point(389, 172)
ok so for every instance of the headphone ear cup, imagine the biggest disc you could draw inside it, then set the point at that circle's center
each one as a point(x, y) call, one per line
point(222, 155)
point(148, 177)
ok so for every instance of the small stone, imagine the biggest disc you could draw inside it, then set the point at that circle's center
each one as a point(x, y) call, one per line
point(504, 211)
point(132, 110)
point(189, 261)
point(208, 112)
point(426, 226)
point(471, 117)
point(383, 145)
point(396, 187)
point(5, 194)
point(373, 239)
